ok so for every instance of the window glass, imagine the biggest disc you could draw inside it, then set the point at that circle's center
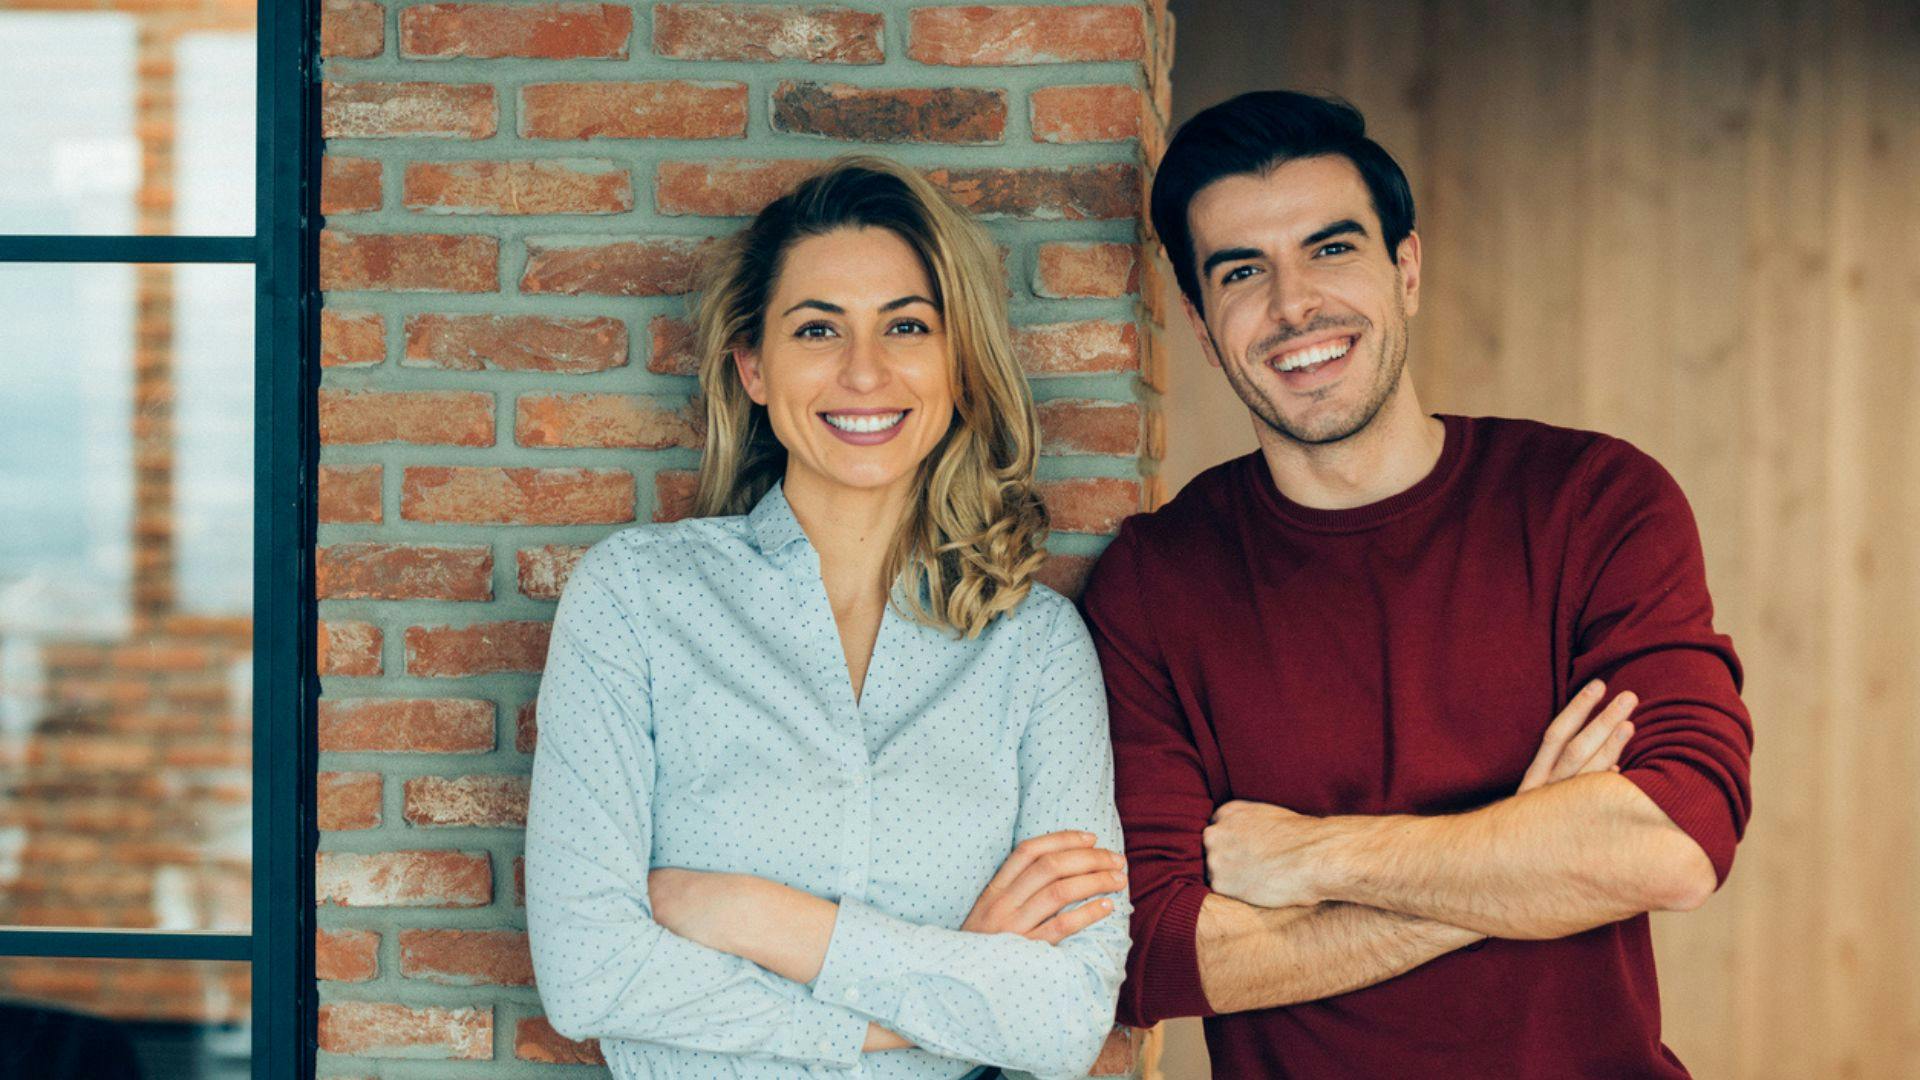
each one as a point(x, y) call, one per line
point(161, 1019)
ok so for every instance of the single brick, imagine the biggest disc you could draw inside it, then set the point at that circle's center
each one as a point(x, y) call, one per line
point(673, 491)
point(378, 1029)
point(632, 421)
point(1063, 193)
point(352, 339)
point(544, 570)
point(349, 185)
point(1065, 574)
point(375, 571)
point(1078, 348)
point(467, 957)
point(1090, 505)
point(670, 347)
point(1071, 114)
point(352, 30)
point(406, 110)
point(765, 32)
point(1075, 271)
point(955, 114)
point(346, 955)
point(1005, 34)
point(350, 494)
point(526, 727)
point(565, 31)
point(519, 881)
point(485, 802)
point(668, 109)
point(663, 266)
point(406, 725)
point(478, 649)
point(429, 417)
point(579, 186)
point(1070, 426)
point(438, 879)
point(535, 1040)
point(409, 262)
point(485, 495)
point(348, 648)
point(731, 188)
point(567, 345)
point(345, 801)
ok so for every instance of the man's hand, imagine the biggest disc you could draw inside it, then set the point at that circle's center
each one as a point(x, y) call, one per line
point(1043, 876)
point(1264, 854)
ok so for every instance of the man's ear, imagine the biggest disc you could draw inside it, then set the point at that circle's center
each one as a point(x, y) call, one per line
point(1199, 323)
point(747, 362)
point(1408, 260)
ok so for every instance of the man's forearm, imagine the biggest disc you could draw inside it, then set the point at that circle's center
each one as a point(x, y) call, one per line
point(1257, 958)
point(1551, 862)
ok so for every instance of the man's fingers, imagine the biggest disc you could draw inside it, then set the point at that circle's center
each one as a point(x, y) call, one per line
point(1057, 866)
point(1068, 923)
point(1026, 851)
point(1564, 726)
point(1594, 736)
point(1607, 758)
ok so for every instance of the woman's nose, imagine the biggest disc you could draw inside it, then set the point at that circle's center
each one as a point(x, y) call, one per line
point(864, 367)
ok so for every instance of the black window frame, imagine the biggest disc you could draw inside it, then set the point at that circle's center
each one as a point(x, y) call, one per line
point(279, 944)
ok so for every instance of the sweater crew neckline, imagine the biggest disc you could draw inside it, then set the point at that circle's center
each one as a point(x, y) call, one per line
point(1453, 451)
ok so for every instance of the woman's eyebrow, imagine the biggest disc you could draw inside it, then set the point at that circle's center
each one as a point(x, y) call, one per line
point(895, 305)
point(831, 309)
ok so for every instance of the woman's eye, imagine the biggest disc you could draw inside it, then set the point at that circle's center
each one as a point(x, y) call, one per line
point(814, 330)
point(1236, 274)
point(910, 326)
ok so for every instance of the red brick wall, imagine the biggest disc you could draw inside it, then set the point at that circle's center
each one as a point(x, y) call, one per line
point(517, 197)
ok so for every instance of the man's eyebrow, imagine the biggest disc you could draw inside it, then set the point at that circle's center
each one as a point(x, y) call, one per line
point(912, 298)
point(831, 309)
point(1227, 255)
point(1343, 227)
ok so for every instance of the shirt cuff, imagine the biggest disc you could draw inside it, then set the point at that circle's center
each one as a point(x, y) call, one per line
point(825, 1034)
point(1695, 803)
point(865, 945)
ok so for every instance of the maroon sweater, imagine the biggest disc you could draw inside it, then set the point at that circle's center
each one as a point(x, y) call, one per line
point(1406, 657)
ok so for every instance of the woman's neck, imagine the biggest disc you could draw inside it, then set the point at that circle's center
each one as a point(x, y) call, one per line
point(852, 529)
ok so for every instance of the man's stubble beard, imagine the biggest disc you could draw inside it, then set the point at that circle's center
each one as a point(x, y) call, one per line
point(1390, 360)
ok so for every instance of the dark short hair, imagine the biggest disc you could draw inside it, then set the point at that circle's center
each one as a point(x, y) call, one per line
point(1256, 132)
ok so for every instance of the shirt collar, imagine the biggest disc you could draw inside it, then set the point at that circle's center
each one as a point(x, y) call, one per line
point(776, 532)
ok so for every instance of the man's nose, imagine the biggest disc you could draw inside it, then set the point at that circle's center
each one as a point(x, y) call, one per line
point(1293, 299)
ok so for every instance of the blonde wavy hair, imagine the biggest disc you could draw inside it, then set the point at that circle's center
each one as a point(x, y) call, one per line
point(976, 530)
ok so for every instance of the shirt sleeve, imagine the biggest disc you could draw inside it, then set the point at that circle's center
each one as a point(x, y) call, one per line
point(604, 968)
point(1164, 796)
point(1645, 624)
point(1003, 999)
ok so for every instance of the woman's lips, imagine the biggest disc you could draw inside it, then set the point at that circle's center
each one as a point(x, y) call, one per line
point(865, 427)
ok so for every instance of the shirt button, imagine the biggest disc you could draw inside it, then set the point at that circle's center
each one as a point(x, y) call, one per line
point(826, 1047)
point(853, 996)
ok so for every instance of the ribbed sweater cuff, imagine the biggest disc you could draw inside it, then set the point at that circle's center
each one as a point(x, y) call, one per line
point(1697, 805)
point(1171, 974)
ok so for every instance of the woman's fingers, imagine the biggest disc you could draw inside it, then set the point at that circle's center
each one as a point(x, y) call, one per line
point(1593, 737)
point(1563, 728)
point(1026, 851)
point(1068, 923)
point(1048, 901)
point(1055, 866)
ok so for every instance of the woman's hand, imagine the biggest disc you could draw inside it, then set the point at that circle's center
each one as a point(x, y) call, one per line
point(1041, 877)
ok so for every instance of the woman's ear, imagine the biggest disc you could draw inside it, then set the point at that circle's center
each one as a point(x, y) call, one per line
point(747, 362)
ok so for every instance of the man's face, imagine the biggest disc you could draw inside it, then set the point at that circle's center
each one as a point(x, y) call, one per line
point(1306, 310)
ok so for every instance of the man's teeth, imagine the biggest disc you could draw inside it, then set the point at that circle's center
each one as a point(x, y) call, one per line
point(1319, 354)
point(864, 424)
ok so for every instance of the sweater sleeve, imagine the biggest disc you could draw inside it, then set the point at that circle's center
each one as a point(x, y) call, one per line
point(1645, 623)
point(1162, 790)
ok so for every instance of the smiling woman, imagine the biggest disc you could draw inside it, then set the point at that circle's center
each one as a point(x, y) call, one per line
point(823, 777)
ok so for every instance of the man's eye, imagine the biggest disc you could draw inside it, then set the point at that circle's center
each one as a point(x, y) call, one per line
point(1236, 274)
point(814, 330)
point(1335, 248)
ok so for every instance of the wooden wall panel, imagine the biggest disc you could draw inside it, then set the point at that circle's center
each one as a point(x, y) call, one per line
point(1694, 224)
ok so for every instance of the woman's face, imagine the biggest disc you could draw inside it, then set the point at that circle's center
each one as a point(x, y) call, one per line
point(853, 364)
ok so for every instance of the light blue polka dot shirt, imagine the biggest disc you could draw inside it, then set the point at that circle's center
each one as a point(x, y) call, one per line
point(696, 712)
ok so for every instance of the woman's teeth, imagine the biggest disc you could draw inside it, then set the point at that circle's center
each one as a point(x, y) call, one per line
point(864, 424)
point(1318, 354)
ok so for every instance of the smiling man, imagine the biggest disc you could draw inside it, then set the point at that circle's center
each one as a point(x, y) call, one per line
point(1362, 843)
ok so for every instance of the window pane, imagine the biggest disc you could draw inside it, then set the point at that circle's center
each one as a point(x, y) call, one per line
point(127, 123)
point(126, 524)
point(107, 1019)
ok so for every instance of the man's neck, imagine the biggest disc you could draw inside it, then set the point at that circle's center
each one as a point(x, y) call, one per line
point(1393, 453)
